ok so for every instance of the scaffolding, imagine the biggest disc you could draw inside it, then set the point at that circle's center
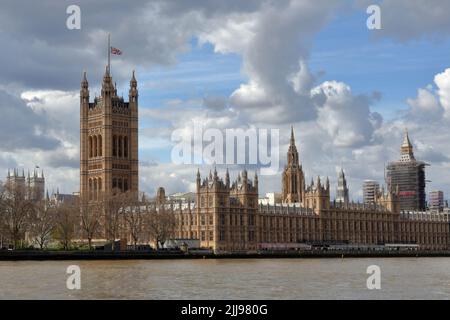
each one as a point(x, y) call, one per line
point(409, 178)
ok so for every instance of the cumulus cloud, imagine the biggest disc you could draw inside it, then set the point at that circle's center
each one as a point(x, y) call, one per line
point(432, 102)
point(347, 118)
point(22, 127)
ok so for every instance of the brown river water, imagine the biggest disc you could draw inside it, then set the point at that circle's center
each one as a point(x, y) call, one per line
point(401, 278)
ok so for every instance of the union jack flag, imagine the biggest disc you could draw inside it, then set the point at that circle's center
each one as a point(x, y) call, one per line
point(116, 51)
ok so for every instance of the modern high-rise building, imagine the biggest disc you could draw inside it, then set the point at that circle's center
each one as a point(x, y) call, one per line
point(436, 200)
point(342, 189)
point(408, 175)
point(109, 140)
point(370, 190)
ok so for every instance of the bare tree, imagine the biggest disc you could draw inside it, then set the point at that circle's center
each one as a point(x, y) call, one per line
point(114, 208)
point(67, 216)
point(43, 224)
point(90, 216)
point(160, 224)
point(134, 222)
point(16, 213)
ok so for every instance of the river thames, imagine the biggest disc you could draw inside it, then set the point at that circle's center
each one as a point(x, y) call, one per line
point(401, 278)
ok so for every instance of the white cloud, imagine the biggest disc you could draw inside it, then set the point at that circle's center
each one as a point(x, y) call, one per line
point(442, 81)
point(347, 118)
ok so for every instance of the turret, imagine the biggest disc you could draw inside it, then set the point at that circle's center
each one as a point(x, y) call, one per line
point(84, 89)
point(198, 180)
point(133, 93)
point(227, 179)
point(107, 85)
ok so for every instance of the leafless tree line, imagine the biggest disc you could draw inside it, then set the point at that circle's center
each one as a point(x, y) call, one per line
point(25, 222)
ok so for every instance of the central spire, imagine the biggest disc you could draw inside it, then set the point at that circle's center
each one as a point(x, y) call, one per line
point(292, 136)
point(292, 152)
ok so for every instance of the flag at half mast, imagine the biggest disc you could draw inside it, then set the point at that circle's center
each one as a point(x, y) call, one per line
point(112, 50)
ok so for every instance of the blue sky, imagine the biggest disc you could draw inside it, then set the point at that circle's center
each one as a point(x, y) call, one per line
point(351, 53)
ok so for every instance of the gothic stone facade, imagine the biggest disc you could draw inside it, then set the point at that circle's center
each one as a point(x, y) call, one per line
point(228, 218)
point(108, 140)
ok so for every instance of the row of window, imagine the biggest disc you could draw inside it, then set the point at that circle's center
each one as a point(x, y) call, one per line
point(237, 220)
point(120, 146)
point(210, 234)
point(252, 203)
point(95, 187)
point(250, 236)
point(95, 146)
point(121, 184)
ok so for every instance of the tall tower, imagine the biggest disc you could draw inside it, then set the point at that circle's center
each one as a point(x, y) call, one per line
point(108, 140)
point(342, 189)
point(293, 177)
point(36, 186)
point(408, 176)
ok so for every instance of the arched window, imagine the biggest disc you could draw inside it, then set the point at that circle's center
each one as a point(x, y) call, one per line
point(120, 184)
point(120, 146)
point(99, 144)
point(125, 147)
point(114, 183)
point(94, 140)
point(90, 147)
point(95, 189)
point(125, 185)
point(90, 189)
point(114, 146)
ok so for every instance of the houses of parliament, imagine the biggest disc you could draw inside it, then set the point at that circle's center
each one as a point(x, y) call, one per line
point(226, 215)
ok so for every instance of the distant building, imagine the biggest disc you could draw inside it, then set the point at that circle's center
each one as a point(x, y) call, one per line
point(342, 189)
point(370, 190)
point(60, 198)
point(408, 175)
point(32, 186)
point(182, 196)
point(436, 200)
point(271, 198)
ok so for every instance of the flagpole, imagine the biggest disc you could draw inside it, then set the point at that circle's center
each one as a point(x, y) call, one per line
point(109, 53)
